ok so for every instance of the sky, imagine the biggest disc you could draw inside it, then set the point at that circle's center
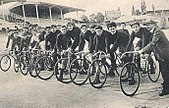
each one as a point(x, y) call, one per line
point(94, 6)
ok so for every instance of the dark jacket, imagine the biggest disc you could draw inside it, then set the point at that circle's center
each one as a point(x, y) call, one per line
point(74, 34)
point(88, 36)
point(101, 42)
point(63, 42)
point(144, 35)
point(159, 45)
point(16, 41)
point(119, 40)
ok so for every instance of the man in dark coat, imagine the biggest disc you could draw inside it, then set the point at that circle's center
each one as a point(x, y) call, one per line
point(160, 46)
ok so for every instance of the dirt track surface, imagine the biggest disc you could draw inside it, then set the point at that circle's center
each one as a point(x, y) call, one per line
point(18, 91)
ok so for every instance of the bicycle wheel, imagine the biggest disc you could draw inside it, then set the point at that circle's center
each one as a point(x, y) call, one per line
point(78, 71)
point(62, 70)
point(98, 73)
point(129, 79)
point(16, 65)
point(119, 64)
point(154, 72)
point(44, 68)
point(24, 62)
point(5, 63)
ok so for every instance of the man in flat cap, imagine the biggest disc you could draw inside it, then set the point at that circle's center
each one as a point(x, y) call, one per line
point(160, 46)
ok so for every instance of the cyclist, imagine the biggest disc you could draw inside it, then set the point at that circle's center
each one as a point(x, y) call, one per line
point(144, 36)
point(119, 39)
point(86, 38)
point(123, 27)
point(51, 37)
point(101, 44)
point(74, 33)
point(16, 41)
point(62, 44)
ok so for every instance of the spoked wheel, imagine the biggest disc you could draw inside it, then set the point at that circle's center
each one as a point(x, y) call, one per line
point(119, 64)
point(31, 69)
point(62, 70)
point(129, 79)
point(79, 71)
point(24, 65)
point(154, 72)
point(5, 63)
point(97, 73)
point(44, 68)
point(16, 65)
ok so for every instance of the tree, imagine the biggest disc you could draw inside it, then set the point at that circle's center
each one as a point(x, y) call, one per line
point(84, 19)
point(99, 17)
point(137, 12)
point(153, 8)
point(133, 10)
point(143, 6)
point(92, 18)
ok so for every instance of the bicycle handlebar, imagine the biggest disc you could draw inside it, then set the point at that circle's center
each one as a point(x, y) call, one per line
point(130, 52)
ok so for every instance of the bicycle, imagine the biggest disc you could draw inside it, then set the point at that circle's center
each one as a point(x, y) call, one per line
point(79, 68)
point(62, 66)
point(131, 74)
point(6, 62)
point(44, 66)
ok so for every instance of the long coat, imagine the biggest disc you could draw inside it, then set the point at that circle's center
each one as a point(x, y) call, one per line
point(159, 45)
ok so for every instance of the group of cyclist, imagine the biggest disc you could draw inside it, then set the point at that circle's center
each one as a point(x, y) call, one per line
point(92, 38)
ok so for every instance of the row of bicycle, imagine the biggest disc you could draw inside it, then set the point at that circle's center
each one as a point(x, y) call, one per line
point(79, 67)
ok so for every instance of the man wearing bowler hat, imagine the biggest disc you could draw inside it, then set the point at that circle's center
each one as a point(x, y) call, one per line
point(160, 46)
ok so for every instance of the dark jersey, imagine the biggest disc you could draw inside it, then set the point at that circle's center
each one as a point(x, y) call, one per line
point(101, 42)
point(16, 42)
point(74, 34)
point(63, 42)
point(144, 35)
point(88, 36)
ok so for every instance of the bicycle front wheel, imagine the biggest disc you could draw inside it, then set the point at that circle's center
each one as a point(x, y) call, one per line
point(98, 73)
point(24, 62)
point(129, 79)
point(154, 72)
point(62, 70)
point(44, 68)
point(79, 71)
point(5, 63)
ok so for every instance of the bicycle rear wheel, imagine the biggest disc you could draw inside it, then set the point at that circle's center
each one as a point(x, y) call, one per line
point(98, 73)
point(5, 63)
point(79, 71)
point(154, 72)
point(62, 70)
point(24, 62)
point(16, 65)
point(44, 68)
point(129, 79)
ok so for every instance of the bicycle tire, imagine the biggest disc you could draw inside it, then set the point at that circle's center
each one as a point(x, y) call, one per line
point(62, 75)
point(44, 68)
point(101, 75)
point(80, 70)
point(7, 59)
point(128, 87)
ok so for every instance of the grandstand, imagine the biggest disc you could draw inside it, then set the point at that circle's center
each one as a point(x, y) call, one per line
point(41, 12)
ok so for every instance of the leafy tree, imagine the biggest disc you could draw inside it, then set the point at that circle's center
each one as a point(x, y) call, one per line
point(84, 18)
point(137, 12)
point(92, 18)
point(99, 17)
point(133, 10)
point(143, 6)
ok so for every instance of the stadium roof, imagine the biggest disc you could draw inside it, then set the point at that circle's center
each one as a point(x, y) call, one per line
point(16, 7)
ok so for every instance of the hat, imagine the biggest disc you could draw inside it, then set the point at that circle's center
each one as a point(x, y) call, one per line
point(150, 22)
point(99, 27)
point(135, 23)
point(83, 26)
point(112, 24)
point(92, 26)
